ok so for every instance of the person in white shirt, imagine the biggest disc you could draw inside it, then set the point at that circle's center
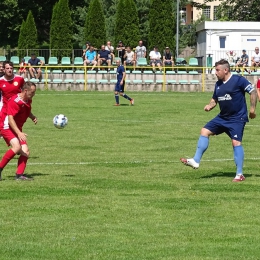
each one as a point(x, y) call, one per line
point(155, 59)
point(140, 51)
point(129, 57)
point(110, 48)
point(255, 60)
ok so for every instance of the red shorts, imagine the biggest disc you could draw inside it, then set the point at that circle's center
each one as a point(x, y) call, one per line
point(258, 83)
point(8, 135)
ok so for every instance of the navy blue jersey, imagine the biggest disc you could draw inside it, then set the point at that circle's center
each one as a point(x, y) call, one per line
point(231, 97)
point(120, 70)
point(34, 62)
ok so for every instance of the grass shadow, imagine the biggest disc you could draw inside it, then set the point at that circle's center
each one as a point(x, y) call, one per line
point(223, 174)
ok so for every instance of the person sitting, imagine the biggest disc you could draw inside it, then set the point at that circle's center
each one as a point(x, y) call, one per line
point(242, 62)
point(231, 58)
point(168, 58)
point(85, 49)
point(32, 62)
point(110, 48)
point(129, 57)
point(22, 69)
point(255, 60)
point(91, 57)
point(155, 58)
point(121, 51)
point(104, 57)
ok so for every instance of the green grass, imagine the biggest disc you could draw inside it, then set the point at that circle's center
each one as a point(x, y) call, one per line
point(110, 185)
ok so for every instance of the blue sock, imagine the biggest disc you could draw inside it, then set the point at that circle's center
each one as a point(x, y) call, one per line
point(125, 96)
point(239, 158)
point(202, 146)
point(117, 98)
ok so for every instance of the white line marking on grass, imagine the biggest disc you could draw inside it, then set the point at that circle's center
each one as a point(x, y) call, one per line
point(130, 162)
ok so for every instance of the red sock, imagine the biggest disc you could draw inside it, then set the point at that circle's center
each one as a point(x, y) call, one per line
point(9, 155)
point(21, 164)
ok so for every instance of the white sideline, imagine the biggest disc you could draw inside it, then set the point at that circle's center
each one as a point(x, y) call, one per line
point(131, 162)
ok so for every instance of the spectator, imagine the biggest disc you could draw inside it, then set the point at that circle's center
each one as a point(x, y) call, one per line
point(140, 51)
point(129, 57)
point(110, 48)
point(1, 69)
point(231, 58)
point(22, 69)
point(91, 57)
point(85, 49)
point(34, 61)
point(255, 60)
point(155, 59)
point(121, 51)
point(242, 62)
point(104, 57)
point(168, 58)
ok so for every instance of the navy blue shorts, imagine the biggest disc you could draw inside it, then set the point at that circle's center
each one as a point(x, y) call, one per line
point(234, 129)
point(120, 88)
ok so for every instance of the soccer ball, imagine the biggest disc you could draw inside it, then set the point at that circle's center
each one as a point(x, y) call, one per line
point(60, 121)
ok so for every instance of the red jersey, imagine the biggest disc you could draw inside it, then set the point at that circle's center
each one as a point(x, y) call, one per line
point(10, 88)
point(19, 109)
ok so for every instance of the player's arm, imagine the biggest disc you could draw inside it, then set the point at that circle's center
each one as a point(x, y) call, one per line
point(33, 117)
point(253, 102)
point(12, 124)
point(210, 105)
point(123, 78)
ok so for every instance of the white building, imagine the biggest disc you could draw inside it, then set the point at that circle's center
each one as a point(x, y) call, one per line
point(218, 38)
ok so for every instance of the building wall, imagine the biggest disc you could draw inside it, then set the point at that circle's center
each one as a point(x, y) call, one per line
point(192, 13)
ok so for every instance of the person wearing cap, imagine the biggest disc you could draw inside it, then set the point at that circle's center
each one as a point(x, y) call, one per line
point(121, 51)
point(34, 69)
point(255, 60)
point(168, 58)
point(242, 62)
point(155, 59)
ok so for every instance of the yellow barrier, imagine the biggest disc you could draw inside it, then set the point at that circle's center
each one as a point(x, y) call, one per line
point(202, 72)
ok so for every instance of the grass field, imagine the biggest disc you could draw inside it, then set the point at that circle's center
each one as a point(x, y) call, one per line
point(110, 185)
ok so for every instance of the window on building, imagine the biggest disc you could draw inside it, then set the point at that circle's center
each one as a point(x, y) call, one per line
point(206, 11)
point(222, 42)
point(215, 13)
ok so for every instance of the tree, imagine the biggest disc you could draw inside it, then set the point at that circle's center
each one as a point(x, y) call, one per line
point(120, 22)
point(28, 40)
point(132, 30)
point(95, 28)
point(162, 24)
point(61, 30)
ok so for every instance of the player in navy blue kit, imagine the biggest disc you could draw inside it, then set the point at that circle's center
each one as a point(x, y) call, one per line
point(120, 85)
point(229, 93)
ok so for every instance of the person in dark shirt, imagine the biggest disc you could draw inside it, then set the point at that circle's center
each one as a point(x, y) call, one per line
point(120, 85)
point(104, 57)
point(229, 93)
point(168, 58)
point(121, 50)
point(34, 69)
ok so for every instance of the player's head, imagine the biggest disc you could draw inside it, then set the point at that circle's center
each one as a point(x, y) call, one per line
point(29, 89)
point(222, 69)
point(8, 68)
point(118, 62)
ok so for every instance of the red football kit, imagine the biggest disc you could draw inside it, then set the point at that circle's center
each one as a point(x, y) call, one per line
point(20, 110)
point(10, 88)
point(258, 83)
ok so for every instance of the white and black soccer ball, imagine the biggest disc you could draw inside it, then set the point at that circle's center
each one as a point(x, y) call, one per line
point(60, 121)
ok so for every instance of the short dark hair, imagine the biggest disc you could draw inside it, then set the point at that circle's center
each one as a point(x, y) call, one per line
point(27, 85)
point(33, 54)
point(8, 62)
point(223, 62)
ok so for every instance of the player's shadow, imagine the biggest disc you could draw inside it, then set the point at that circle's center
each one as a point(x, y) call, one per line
point(32, 175)
point(223, 174)
point(124, 105)
point(69, 175)
point(30, 158)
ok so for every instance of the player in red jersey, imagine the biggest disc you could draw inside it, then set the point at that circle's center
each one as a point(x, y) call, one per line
point(258, 89)
point(10, 85)
point(18, 110)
